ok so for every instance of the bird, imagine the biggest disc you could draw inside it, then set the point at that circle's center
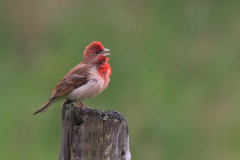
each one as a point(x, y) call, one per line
point(87, 79)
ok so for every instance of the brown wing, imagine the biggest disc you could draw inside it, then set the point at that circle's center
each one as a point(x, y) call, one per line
point(75, 78)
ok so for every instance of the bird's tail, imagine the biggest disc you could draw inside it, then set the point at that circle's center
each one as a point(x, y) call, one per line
point(44, 107)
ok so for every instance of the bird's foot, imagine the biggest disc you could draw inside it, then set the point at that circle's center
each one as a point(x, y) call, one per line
point(66, 102)
point(80, 104)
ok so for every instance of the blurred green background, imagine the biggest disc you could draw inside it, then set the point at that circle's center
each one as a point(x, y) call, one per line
point(175, 74)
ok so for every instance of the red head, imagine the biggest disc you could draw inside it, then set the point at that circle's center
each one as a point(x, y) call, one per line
point(95, 53)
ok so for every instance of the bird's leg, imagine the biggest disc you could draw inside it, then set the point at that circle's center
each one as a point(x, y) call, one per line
point(79, 105)
point(85, 106)
point(82, 104)
point(67, 102)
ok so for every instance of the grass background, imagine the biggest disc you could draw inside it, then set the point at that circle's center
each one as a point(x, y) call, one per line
point(175, 74)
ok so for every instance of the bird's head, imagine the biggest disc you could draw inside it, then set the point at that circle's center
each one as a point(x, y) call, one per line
point(95, 53)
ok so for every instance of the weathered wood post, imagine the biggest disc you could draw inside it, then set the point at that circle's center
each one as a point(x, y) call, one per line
point(91, 134)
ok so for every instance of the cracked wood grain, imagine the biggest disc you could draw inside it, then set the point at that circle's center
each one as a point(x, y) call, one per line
point(91, 134)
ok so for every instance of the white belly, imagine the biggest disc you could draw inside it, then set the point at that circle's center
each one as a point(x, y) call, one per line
point(93, 87)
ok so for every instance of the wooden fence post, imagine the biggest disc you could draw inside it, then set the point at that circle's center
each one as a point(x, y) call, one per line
point(91, 134)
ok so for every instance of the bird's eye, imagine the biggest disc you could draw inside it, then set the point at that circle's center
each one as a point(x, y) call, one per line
point(97, 52)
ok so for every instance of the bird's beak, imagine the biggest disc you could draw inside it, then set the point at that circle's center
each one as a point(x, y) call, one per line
point(106, 54)
point(105, 50)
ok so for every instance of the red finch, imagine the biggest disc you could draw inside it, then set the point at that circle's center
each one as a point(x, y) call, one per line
point(85, 80)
